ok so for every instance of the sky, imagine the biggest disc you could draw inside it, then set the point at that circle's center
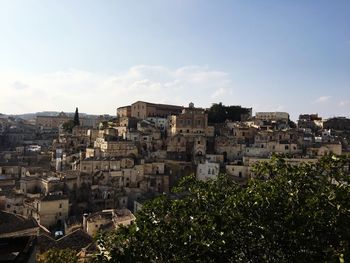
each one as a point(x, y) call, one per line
point(272, 55)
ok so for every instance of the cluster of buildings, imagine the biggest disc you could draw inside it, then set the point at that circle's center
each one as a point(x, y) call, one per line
point(71, 185)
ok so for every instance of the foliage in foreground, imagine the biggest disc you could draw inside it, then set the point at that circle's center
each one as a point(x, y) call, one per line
point(59, 256)
point(288, 214)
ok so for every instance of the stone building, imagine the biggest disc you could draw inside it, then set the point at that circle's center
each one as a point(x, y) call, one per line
point(116, 148)
point(310, 121)
point(49, 210)
point(192, 121)
point(337, 123)
point(143, 110)
point(124, 111)
point(207, 171)
point(50, 122)
point(107, 220)
point(272, 116)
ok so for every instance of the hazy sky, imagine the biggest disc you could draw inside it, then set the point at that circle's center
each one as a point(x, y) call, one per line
point(276, 55)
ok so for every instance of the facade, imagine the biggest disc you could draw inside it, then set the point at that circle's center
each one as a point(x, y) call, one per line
point(124, 111)
point(50, 122)
point(272, 116)
point(192, 121)
point(116, 148)
point(207, 171)
point(107, 219)
point(49, 210)
point(143, 110)
point(310, 121)
point(159, 122)
point(338, 123)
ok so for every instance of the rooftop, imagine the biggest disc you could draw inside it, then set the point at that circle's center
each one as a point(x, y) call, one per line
point(10, 223)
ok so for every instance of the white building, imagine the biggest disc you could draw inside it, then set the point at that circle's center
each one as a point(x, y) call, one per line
point(207, 171)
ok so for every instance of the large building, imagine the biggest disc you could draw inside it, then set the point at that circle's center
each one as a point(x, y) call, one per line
point(192, 121)
point(56, 121)
point(143, 110)
point(337, 123)
point(272, 116)
point(124, 111)
point(49, 210)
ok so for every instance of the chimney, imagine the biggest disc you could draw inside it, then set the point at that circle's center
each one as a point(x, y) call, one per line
point(85, 216)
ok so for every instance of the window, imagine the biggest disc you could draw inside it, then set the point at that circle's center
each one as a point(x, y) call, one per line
point(60, 206)
point(153, 182)
point(286, 147)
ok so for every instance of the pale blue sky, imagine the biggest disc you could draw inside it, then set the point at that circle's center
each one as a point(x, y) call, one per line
point(98, 55)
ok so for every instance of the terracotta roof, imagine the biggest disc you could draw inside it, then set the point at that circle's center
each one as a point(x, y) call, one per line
point(53, 197)
point(12, 223)
point(45, 242)
point(76, 240)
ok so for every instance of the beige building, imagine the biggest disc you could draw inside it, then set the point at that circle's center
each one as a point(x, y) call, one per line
point(49, 210)
point(242, 133)
point(56, 121)
point(229, 148)
point(324, 149)
point(192, 121)
point(107, 220)
point(176, 143)
point(44, 185)
point(272, 116)
point(124, 111)
point(143, 110)
point(207, 171)
point(116, 148)
point(52, 121)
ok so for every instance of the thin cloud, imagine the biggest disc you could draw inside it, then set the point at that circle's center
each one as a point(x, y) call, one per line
point(101, 93)
point(19, 85)
point(344, 103)
point(323, 99)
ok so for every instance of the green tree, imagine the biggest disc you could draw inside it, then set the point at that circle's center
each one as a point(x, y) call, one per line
point(59, 256)
point(76, 117)
point(287, 213)
point(68, 126)
point(219, 113)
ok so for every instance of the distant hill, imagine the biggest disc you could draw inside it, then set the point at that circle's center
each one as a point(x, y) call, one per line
point(30, 116)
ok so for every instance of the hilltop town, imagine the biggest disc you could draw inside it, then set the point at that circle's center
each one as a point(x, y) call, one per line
point(63, 178)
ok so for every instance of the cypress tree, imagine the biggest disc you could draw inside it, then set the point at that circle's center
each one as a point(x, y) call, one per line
point(76, 117)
